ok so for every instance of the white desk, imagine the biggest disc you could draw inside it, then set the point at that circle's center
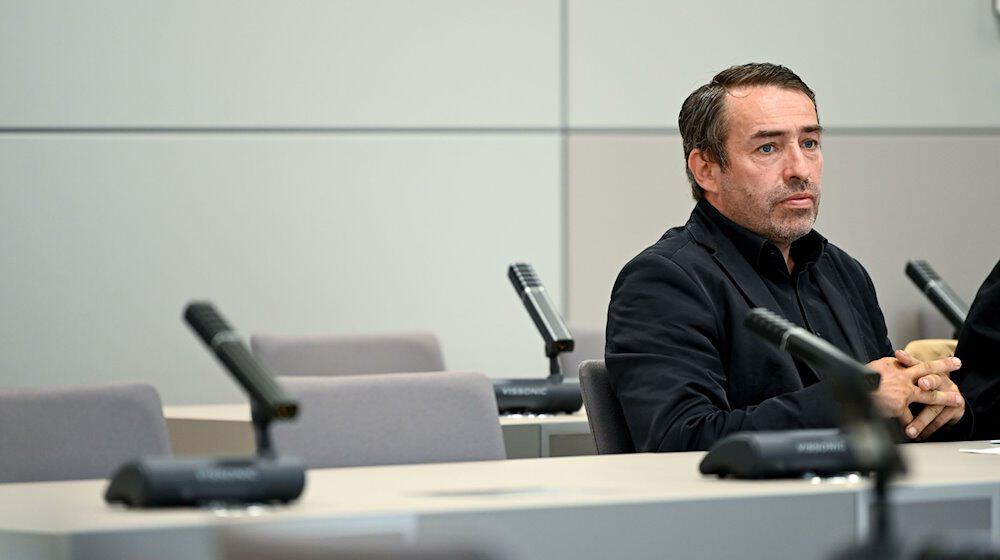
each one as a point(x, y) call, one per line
point(623, 506)
point(225, 429)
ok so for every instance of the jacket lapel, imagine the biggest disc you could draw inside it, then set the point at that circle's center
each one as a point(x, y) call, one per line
point(729, 259)
point(835, 291)
point(750, 285)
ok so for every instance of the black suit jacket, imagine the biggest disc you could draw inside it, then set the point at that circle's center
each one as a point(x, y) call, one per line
point(686, 370)
point(979, 378)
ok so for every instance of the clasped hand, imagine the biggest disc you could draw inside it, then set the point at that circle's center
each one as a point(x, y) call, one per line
point(907, 380)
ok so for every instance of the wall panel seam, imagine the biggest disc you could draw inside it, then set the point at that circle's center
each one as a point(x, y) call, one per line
point(561, 130)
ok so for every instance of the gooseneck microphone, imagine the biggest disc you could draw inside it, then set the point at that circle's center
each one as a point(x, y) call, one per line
point(193, 481)
point(269, 398)
point(543, 313)
point(552, 394)
point(866, 443)
point(941, 295)
point(822, 356)
point(867, 439)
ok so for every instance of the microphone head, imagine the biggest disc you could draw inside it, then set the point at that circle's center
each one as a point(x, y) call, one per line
point(768, 325)
point(921, 273)
point(522, 276)
point(206, 321)
point(541, 309)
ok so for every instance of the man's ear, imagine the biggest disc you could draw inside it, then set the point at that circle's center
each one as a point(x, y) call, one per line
point(705, 170)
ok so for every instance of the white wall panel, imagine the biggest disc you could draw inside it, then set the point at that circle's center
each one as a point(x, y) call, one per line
point(104, 238)
point(891, 63)
point(886, 199)
point(336, 63)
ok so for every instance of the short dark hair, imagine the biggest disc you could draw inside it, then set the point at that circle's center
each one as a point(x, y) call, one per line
point(702, 118)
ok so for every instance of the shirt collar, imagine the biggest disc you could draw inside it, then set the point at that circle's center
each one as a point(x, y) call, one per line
point(758, 250)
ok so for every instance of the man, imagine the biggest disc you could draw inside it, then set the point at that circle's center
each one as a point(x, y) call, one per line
point(685, 369)
point(979, 379)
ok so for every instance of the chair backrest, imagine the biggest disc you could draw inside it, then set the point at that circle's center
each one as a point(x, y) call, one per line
point(929, 349)
point(604, 412)
point(78, 433)
point(401, 418)
point(349, 354)
point(588, 344)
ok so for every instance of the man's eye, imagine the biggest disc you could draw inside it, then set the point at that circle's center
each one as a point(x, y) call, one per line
point(809, 144)
point(767, 148)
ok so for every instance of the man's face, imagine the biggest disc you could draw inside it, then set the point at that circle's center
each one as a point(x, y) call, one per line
point(773, 181)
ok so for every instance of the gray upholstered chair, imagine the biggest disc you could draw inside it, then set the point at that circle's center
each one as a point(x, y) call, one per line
point(604, 412)
point(402, 418)
point(349, 354)
point(588, 345)
point(78, 433)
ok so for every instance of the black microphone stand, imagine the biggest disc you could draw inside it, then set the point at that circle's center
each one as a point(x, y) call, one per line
point(885, 463)
point(552, 394)
point(267, 477)
point(261, 430)
point(552, 352)
point(870, 437)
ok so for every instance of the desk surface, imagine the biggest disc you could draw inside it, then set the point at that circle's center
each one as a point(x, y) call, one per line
point(586, 508)
point(77, 506)
point(241, 413)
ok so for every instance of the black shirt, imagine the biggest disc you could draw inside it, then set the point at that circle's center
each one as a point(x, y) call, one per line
point(798, 294)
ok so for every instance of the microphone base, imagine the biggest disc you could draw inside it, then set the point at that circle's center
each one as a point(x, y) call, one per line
point(165, 481)
point(537, 396)
point(781, 454)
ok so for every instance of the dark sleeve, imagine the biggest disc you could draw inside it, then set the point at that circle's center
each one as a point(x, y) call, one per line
point(665, 353)
point(979, 378)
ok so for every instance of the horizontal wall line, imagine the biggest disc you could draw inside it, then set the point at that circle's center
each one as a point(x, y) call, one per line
point(620, 131)
point(858, 130)
point(277, 130)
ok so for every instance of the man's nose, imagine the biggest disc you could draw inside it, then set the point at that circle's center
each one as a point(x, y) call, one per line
point(796, 165)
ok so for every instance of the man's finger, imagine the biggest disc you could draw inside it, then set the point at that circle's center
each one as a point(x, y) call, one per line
point(948, 416)
point(930, 382)
point(906, 359)
point(905, 418)
point(942, 366)
point(943, 398)
point(923, 420)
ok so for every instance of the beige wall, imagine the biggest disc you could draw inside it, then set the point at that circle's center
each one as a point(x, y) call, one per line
point(887, 198)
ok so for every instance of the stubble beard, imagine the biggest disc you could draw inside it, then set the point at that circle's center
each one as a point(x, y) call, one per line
point(767, 217)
